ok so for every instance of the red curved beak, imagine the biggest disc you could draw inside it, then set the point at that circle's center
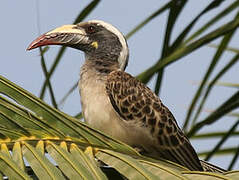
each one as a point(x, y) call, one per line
point(67, 35)
point(42, 40)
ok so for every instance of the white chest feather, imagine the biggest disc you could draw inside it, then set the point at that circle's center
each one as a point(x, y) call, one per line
point(96, 106)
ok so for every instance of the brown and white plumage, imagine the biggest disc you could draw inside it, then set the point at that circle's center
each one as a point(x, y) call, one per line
point(115, 102)
point(136, 103)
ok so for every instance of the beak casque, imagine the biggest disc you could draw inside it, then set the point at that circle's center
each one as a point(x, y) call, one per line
point(67, 35)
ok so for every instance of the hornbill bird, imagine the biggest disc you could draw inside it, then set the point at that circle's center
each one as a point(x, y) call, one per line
point(118, 104)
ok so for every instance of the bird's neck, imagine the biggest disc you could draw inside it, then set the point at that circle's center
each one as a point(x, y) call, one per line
point(99, 67)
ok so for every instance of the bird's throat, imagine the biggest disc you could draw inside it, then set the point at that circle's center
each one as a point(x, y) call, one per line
point(101, 67)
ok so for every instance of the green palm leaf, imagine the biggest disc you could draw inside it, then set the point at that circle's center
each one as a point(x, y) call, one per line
point(56, 145)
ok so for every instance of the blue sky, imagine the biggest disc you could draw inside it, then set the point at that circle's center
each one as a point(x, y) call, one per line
point(19, 26)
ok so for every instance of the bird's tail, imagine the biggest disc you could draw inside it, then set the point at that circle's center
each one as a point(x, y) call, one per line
point(211, 168)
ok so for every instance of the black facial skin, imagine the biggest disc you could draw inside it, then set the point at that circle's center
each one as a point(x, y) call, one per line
point(109, 46)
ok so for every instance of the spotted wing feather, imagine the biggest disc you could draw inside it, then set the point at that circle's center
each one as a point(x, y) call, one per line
point(134, 101)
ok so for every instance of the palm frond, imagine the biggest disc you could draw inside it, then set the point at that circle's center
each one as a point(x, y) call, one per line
point(55, 145)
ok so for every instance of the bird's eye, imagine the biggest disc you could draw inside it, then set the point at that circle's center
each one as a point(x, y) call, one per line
point(90, 29)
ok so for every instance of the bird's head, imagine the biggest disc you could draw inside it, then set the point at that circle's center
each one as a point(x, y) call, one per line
point(97, 39)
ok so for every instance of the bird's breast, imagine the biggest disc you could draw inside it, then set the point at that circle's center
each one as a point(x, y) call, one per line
point(96, 107)
point(99, 113)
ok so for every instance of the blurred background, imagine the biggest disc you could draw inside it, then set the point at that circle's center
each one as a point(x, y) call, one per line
point(182, 75)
